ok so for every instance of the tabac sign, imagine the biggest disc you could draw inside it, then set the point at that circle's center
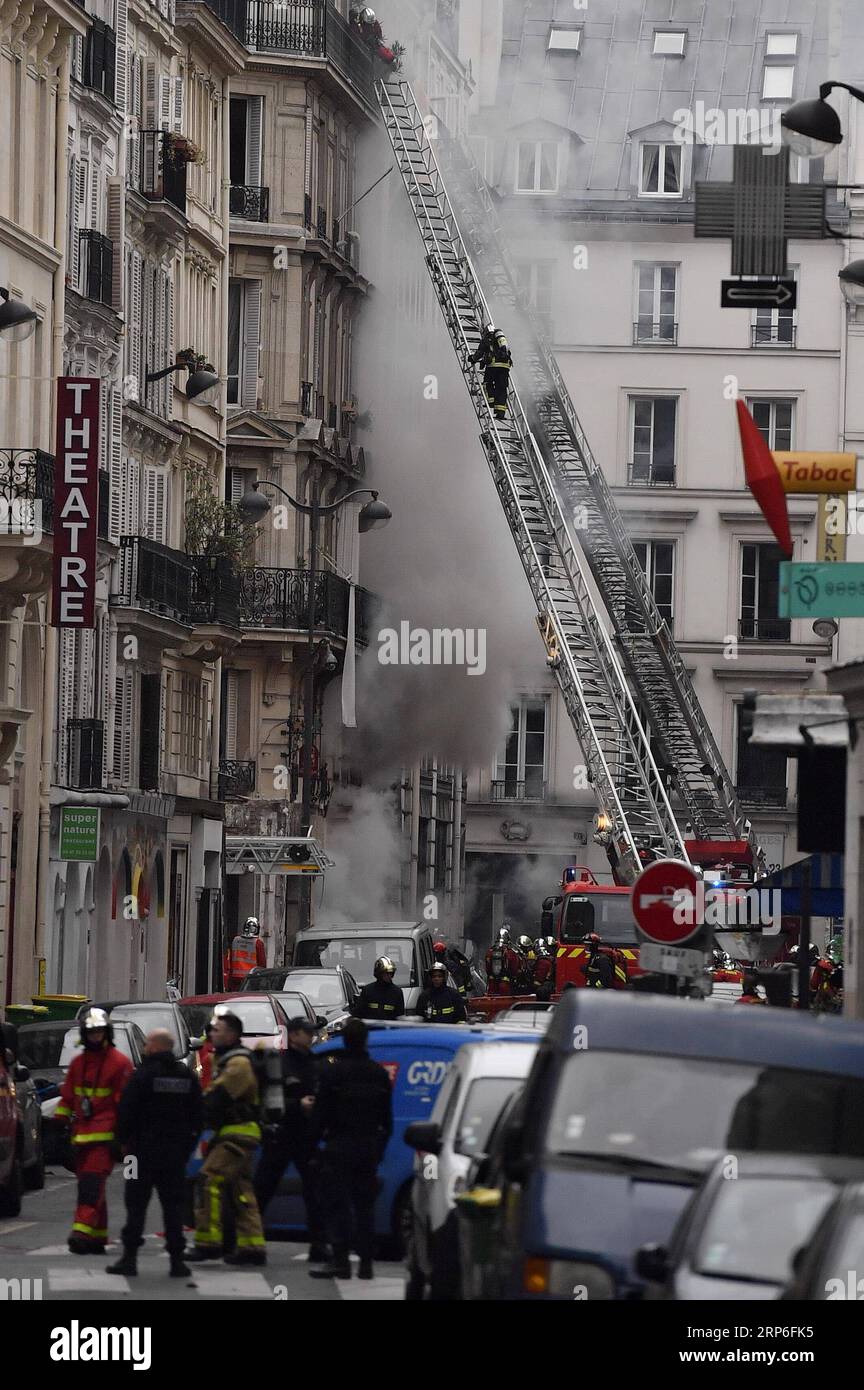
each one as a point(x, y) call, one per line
point(76, 501)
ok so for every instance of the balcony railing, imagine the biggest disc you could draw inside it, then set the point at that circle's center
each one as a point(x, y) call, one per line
point(250, 202)
point(321, 223)
point(232, 14)
point(307, 389)
point(663, 332)
point(332, 415)
point(762, 796)
point(97, 266)
point(100, 50)
point(532, 789)
point(314, 29)
point(764, 629)
point(644, 474)
point(85, 748)
point(163, 179)
point(777, 335)
point(236, 779)
point(192, 590)
point(279, 598)
point(26, 477)
point(307, 210)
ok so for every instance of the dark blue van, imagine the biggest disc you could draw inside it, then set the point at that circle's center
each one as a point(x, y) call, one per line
point(416, 1056)
point(630, 1099)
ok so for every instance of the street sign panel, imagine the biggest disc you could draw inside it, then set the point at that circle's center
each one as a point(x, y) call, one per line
point(814, 471)
point(79, 833)
point(748, 294)
point(671, 960)
point(810, 590)
point(659, 893)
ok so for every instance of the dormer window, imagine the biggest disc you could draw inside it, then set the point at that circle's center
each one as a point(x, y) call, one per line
point(660, 171)
point(537, 166)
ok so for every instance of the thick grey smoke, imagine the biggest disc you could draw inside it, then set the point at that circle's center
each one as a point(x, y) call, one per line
point(363, 839)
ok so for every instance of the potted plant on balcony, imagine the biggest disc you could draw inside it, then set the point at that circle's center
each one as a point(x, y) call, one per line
point(179, 150)
point(215, 529)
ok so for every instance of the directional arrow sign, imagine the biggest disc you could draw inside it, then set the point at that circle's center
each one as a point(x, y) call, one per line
point(750, 294)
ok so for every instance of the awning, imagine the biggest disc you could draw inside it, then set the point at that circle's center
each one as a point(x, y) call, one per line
point(826, 885)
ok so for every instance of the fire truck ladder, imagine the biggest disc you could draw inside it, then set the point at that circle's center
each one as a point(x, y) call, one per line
point(620, 763)
point(680, 735)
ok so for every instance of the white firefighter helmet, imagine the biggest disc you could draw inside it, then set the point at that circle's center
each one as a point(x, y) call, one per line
point(94, 1018)
point(504, 936)
point(251, 927)
point(367, 15)
point(525, 943)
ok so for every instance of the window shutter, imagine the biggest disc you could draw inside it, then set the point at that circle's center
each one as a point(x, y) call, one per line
point(150, 110)
point(95, 201)
point(165, 102)
point(251, 343)
point(121, 65)
point(130, 508)
point(150, 393)
point(124, 710)
point(229, 714)
point(177, 112)
point(309, 150)
point(115, 236)
point(101, 709)
point(78, 209)
point(65, 699)
point(85, 675)
point(115, 469)
point(155, 504)
point(78, 58)
point(254, 107)
point(70, 214)
point(168, 338)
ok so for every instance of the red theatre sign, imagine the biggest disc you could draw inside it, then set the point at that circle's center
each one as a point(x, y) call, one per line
point(76, 501)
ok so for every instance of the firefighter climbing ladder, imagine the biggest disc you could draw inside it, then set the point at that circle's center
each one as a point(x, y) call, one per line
point(610, 693)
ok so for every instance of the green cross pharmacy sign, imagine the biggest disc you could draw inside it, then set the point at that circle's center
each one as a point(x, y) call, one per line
point(79, 833)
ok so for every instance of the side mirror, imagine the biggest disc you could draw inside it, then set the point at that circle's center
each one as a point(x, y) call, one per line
point(652, 1263)
point(513, 1158)
point(196, 1044)
point(320, 1021)
point(20, 1073)
point(423, 1135)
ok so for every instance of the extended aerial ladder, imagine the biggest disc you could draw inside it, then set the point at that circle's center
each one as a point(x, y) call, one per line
point(631, 701)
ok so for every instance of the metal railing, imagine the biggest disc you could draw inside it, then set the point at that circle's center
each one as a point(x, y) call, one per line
point(26, 477)
point(661, 331)
point(762, 796)
point(97, 266)
point(511, 789)
point(279, 598)
point(188, 589)
point(162, 177)
point(782, 334)
point(233, 14)
point(307, 210)
point(314, 29)
point(306, 390)
point(236, 779)
point(332, 415)
point(249, 201)
point(321, 223)
point(85, 750)
point(651, 474)
point(764, 629)
point(100, 57)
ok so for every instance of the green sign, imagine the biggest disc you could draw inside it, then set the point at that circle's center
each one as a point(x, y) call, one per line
point(821, 590)
point(79, 832)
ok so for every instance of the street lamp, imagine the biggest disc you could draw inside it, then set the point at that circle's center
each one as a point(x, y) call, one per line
point(851, 279)
point(17, 320)
point(202, 384)
point(253, 507)
point(826, 628)
point(812, 128)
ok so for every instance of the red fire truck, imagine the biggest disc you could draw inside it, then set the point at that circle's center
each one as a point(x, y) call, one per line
point(583, 907)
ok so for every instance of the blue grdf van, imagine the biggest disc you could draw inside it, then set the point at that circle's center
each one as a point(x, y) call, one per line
point(416, 1057)
point(630, 1099)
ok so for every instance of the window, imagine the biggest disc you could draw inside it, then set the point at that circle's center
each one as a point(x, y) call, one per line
point(244, 330)
point(652, 434)
point(777, 82)
point(781, 45)
point(521, 769)
point(760, 770)
point(537, 166)
point(657, 559)
point(669, 43)
point(660, 171)
point(760, 593)
point(774, 418)
point(537, 280)
point(656, 303)
point(774, 327)
point(564, 40)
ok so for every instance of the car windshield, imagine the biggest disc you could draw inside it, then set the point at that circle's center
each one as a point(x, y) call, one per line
point(607, 914)
point(148, 1017)
point(262, 979)
point(358, 954)
point(318, 987)
point(486, 1097)
point(256, 1016)
point(41, 1048)
point(687, 1111)
point(294, 1005)
point(122, 1041)
point(756, 1225)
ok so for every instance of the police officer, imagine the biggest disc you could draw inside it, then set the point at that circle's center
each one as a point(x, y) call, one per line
point(293, 1139)
point(439, 1003)
point(158, 1122)
point(354, 1117)
point(381, 999)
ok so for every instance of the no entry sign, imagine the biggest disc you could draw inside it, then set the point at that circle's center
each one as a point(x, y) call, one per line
point(664, 898)
point(76, 501)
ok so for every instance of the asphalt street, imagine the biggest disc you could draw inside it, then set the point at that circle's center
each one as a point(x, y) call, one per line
point(34, 1247)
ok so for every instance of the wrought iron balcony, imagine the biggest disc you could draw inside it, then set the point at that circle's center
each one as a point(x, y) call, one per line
point(97, 266)
point(279, 598)
point(162, 176)
point(663, 332)
point(307, 209)
point(512, 789)
point(232, 14)
point(764, 629)
point(85, 750)
point(762, 795)
point(250, 202)
point(773, 335)
point(100, 50)
point(646, 473)
point(313, 29)
point(26, 478)
point(306, 397)
point(192, 590)
point(321, 224)
point(236, 779)
point(215, 591)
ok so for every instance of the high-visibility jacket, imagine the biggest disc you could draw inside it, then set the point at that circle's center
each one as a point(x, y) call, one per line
point(493, 351)
point(98, 1077)
point(244, 956)
point(231, 1099)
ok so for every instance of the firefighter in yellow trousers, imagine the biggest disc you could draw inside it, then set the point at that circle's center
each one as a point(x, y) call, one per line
point(231, 1109)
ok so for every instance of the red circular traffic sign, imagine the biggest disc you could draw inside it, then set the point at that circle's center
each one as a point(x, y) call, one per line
point(660, 905)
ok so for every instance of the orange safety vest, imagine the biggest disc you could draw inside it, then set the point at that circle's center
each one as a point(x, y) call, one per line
point(243, 956)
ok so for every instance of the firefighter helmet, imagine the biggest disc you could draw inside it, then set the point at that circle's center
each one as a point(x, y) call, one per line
point(367, 15)
point(504, 936)
point(552, 943)
point(251, 927)
point(525, 943)
point(439, 968)
point(490, 328)
point(95, 1018)
point(383, 966)
point(540, 946)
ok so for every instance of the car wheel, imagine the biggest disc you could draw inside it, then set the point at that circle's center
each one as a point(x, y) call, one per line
point(10, 1195)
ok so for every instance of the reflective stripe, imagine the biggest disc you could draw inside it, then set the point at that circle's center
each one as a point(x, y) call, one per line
point(94, 1090)
point(62, 1110)
point(89, 1230)
point(212, 1236)
point(92, 1138)
point(249, 1130)
point(245, 1242)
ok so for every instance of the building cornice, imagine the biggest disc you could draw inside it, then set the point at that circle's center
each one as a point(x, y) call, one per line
point(30, 247)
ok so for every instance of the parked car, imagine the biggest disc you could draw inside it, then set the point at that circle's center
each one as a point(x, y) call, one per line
point(296, 1005)
point(831, 1265)
point(263, 1018)
point(356, 948)
point(55, 1133)
point(22, 1163)
point(739, 1232)
point(416, 1057)
point(160, 1014)
point(39, 1049)
point(616, 1135)
point(479, 1213)
point(330, 989)
point(477, 1086)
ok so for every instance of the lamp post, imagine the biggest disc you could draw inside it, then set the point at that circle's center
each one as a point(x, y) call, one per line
point(202, 383)
point(254, 506)
point(17, 319)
